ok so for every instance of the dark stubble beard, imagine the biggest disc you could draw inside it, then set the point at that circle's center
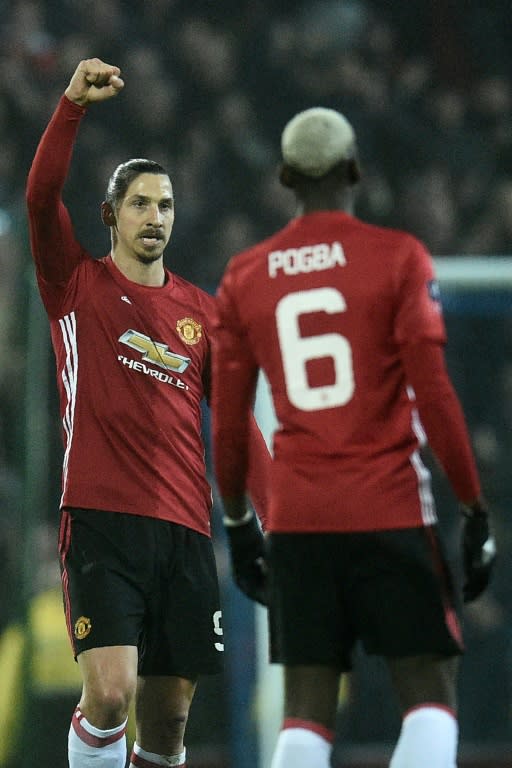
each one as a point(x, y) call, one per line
point(148, 258)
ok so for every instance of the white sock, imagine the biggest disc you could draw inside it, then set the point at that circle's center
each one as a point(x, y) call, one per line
point(302, 747)
point(90, 747)
point(140, 758)
point(428, 739)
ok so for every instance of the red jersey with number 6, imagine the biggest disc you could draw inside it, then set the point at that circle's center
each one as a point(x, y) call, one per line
point(324, 308)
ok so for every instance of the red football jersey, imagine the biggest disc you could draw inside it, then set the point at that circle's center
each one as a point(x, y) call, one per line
point(132, 363)
point(323, 308)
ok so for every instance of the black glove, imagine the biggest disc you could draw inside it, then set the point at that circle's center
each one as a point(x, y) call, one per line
point(247, 551)
point(479, 552)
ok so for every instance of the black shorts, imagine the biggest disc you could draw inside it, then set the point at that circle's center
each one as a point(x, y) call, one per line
point(133, 580)
point(392, 590)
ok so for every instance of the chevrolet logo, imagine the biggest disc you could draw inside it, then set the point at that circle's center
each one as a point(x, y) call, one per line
point(155, 351)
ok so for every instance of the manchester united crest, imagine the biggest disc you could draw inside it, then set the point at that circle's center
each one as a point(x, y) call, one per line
point(82, 627)
point(189, 330)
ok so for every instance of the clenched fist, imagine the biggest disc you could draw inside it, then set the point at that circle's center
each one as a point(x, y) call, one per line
point(94, 80)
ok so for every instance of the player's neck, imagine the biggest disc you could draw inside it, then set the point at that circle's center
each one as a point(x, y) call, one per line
point(150, 274)
point(304, 208)
point(313, 203)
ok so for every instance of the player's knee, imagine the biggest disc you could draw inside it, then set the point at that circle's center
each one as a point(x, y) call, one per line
point(174, 723)
point(108, 706)
point(169, 726)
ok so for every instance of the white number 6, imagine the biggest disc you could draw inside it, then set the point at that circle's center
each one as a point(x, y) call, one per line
point(296, 350)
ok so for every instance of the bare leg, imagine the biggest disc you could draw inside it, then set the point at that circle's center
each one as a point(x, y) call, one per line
point(426, 688)
point(311, 698)
point(97, 731)
point(420, 679)
point(109, 682)
point(311, 693)
point(161, 713)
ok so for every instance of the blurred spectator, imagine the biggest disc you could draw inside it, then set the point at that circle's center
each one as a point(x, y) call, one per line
point(427, 206)
point(220, 80)
point(492, 230)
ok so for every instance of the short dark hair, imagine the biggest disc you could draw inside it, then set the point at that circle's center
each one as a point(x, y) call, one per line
point(125, 173)
point(345, 172)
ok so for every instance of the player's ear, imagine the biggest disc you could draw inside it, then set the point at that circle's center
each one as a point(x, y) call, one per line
point(354, 171)
point(107, 214)
point(286, 176)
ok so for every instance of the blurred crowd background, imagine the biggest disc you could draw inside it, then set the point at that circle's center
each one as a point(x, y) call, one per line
point(209, 85)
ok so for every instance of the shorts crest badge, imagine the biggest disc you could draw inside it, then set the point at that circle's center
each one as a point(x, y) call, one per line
point(189, 330)
point(82, 627)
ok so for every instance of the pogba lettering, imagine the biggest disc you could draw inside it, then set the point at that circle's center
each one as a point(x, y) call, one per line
point(307, 258)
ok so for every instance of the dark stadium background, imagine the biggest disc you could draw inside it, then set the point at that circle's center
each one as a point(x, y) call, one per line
point(209, 85)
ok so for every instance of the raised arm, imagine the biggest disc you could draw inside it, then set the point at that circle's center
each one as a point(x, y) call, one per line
point(54, 247)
